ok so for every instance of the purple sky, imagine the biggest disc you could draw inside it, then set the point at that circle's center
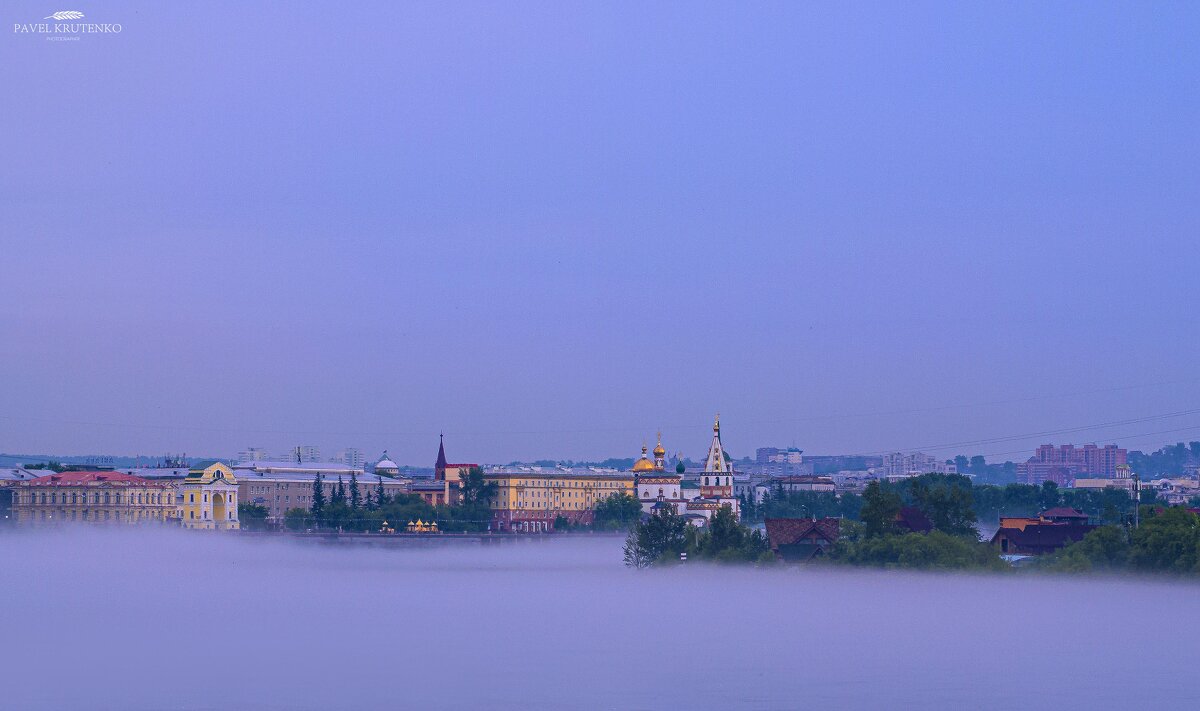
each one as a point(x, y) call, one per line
point(551, 228)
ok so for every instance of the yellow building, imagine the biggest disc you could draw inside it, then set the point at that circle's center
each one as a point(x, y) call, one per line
point(529, 498)
point(208, 497)
point(92, 496)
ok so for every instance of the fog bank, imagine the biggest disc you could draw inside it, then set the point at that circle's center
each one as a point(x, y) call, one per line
point(138, 620)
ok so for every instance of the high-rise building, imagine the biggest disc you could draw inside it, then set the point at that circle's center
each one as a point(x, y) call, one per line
point(252, 454)
point(306, 453)
point(899, 464)
point(352, 457)
point(1067, 462)
point(777, 462)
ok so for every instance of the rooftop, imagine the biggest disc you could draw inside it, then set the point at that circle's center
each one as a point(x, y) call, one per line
point(19, 474)
point(558, 472)
point(312, 467)
point(245, 475)
point(790, 531)
point(99, 478)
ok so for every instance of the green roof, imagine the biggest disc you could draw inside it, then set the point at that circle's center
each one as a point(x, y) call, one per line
point(201, 466)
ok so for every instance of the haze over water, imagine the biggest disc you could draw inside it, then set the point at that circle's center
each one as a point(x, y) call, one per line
point(123, 620)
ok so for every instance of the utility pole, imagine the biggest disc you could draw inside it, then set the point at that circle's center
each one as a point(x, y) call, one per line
point(1137, 500)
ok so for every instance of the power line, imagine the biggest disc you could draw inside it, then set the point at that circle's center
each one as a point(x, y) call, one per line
point(483, 433)
point(1043, 433)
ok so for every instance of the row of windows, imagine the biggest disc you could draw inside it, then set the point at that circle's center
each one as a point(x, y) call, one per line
point(192, 498)
point(86, 515)
point(569, 484)
point(74, 497)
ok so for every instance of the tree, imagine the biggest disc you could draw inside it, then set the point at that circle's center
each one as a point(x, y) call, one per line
point(617, 512)
point(50, 465)
point(297, 519)
point(476, 489)
point(1049, 497)
point(879, 510)
point(725, 539)
point(662, 535)
point(380, 497)
point(318, 497)
point(935, 550)
point(1168, 541)
point(1106, 548)
point(339, 492)
point(355, 494)
point(947, 500)
point(253, 517)
point(474, 509)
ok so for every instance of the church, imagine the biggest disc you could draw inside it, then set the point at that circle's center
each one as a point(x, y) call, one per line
point(657, 488)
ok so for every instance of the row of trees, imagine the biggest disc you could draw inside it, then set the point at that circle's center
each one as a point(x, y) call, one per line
point(988, 502)
point(350, 508)
point(1166, 541)
point(1167, 461)
point(662, 537)
point(617, 512)
point(953, 544)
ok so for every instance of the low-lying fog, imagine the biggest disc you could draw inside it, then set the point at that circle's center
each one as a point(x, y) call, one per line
point(136, 620)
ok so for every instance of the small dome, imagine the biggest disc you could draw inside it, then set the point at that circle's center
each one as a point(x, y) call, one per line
point(659, 451)
point(386, 464)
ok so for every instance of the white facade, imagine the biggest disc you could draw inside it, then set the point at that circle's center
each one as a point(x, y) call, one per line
point(252, 454)
point(651, 491)
point(351, 457)
point(306, 453)
point(900, 465)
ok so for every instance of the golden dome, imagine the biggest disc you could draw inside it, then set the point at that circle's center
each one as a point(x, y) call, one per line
point(643, 464)
point(659, 452)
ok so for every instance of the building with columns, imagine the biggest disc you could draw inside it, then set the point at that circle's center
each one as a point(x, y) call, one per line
point(208, 498)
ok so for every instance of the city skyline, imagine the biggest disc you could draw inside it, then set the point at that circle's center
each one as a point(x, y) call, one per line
point(551, 235)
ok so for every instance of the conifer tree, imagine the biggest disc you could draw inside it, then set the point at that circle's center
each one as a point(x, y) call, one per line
point(339, 492)
point(380, 498)
point(355, 494)
point(318, 497)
